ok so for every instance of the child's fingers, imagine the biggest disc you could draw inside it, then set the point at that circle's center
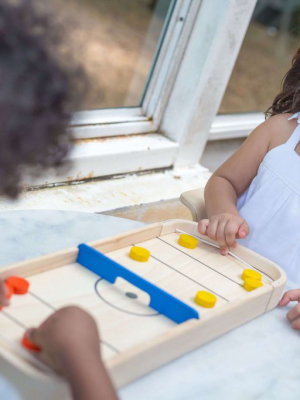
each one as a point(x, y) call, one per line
point(243, 231)
point(231, 233)
point(294, 313)
point(211, 230)
point(285, 300)
point(221, 237)
point(34, 336)
point(212, 233)
point(224, 250)
point(202, 226)
point(296, 324)
point(2, 288)
point(291, 295)
point(3, 294)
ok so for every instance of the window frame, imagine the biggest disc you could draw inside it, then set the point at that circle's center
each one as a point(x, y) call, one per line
point(204, 74)
point(176, 115)
point(106, 122)
point(234, 126)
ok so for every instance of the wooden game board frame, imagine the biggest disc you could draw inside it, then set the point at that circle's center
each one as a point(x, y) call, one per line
point(142, 359)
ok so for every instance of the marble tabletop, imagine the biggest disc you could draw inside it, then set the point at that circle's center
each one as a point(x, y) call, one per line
point(31, 233)
point(259, 360)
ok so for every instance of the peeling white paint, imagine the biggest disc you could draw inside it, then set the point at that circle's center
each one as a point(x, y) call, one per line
point(111, 156)
point(111, 194)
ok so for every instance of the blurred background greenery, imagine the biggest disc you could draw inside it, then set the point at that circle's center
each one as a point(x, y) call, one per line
point(116, 41)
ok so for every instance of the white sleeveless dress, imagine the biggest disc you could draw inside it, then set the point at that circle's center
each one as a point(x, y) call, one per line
point(271, 207)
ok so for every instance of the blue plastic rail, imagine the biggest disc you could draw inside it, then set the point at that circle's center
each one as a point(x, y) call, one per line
point(109, 270)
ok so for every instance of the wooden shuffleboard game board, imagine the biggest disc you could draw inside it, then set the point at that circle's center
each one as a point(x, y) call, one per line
point(148, 316)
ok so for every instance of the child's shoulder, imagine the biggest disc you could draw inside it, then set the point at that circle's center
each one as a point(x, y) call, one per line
point(281, 121)
point(280, 128)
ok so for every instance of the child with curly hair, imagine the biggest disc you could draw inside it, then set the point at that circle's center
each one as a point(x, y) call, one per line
point(37, 91)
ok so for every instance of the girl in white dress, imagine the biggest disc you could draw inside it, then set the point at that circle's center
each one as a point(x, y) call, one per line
point(254, 197)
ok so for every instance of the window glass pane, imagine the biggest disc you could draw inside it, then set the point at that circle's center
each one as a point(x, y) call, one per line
point(116, 41)
point(265, 57)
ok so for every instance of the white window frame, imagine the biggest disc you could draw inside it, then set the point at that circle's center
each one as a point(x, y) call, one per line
point(143, 119)
point(204, 74)
point(110, 122)
point(172, 125)
point(234, 126)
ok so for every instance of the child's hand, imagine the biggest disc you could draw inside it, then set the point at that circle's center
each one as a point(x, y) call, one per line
point(70, 344)
point(225, 228)
point(3, 293)
point(68, 337)
point(294, 314)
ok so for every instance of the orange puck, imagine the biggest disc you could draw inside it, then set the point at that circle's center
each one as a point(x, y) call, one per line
point(18, 285)
point(29, 345)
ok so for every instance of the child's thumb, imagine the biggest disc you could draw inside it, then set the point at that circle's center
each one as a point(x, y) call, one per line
point(243, 231)
point(33, 336)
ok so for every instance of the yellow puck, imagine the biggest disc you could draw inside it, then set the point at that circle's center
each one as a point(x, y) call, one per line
point(139, 254)
point(251, 284)
point(205, 299)
point(250, 273)
point(187, 241)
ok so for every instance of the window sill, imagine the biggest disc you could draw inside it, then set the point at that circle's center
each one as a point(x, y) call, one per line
point(104, 157)
point(111, 194)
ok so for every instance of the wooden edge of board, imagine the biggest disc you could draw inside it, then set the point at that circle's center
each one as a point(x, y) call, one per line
point(278, 289)
point(16, 365)
point(255, 302)
point(10, 354)
point(170, 345)
point(185, 338)
point(124, 239)
point(40, 264)
point(57, 259)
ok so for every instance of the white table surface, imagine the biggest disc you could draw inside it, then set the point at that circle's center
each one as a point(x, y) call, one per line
point(259, 360)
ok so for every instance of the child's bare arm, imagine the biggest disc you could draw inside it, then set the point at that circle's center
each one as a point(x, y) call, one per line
point(70, 344)
point(224, 223)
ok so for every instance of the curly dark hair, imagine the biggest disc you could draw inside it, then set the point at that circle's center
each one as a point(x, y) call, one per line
point(288, 100)
point(39, 87)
